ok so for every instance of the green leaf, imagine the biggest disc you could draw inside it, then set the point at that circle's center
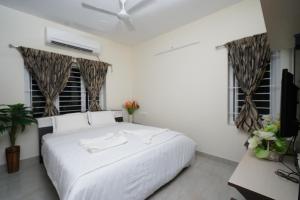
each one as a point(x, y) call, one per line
point(261, 153)
point(3, 129)
point(271, 128)
point(281, 145)
point(14, 118)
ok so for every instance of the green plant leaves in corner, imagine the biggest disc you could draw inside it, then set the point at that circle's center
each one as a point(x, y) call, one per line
point(261, 153)
point(13, 120)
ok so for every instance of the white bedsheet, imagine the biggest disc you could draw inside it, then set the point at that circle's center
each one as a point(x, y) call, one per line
point(145, 135)
point(132, 171)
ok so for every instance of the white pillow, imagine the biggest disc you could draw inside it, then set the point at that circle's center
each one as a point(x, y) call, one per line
point(101, 118)
point(69, 122)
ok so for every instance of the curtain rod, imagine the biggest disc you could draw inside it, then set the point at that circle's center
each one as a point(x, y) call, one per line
point(220, 46)
point(176, 48)
point(14, 46)
point(223, 45)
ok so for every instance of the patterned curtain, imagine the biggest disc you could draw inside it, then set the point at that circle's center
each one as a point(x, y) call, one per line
point(93, 74)
point(51, 72)
point(249, 58)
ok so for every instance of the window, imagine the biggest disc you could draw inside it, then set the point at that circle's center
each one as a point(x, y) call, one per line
point(262, 97)
point(37, 99)
point(74, 97)
point(267, 97)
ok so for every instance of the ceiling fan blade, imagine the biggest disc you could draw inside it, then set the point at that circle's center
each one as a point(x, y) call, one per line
point(139, 5)
point(128, 24)
point(99, 9)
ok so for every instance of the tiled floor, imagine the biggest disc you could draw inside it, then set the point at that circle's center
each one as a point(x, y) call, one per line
point(206, 179)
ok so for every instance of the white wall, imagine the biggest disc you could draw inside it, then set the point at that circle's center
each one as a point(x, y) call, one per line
point(187, 90)
point(22, 29)
point(282, 22)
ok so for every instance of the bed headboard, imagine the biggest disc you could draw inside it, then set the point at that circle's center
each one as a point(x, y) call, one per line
point(45, 127)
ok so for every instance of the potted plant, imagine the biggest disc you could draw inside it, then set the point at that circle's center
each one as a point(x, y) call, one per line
point(131, 107)
point(266, 142)
point(13, 120)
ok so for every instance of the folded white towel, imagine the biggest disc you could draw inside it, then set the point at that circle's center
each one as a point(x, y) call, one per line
point(102, 143)
point(86, 142)
point(146, 135)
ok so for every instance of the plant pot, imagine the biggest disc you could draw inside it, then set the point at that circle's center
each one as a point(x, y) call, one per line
point(274, 156)
point(12, 158)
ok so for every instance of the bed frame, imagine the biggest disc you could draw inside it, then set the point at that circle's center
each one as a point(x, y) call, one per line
point(45, 127)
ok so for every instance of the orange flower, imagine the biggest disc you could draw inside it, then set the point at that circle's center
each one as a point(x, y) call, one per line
point(131, 106)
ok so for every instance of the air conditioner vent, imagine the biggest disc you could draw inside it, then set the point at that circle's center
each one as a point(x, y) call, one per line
point(71, 46)
point(72, 41)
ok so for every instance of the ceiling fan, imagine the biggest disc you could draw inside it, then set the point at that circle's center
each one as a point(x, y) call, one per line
point(123, 15)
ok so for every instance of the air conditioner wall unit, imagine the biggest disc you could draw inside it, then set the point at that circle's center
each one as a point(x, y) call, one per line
point(71, 40)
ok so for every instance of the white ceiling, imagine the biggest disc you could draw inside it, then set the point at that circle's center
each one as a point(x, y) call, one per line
point(157, 17)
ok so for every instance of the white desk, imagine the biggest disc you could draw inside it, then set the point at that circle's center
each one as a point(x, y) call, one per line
point(255, 179)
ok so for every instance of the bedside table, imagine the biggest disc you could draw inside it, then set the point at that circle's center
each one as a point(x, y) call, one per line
point(118, 114)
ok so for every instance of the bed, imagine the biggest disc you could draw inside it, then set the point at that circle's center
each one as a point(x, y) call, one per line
point(132, 171)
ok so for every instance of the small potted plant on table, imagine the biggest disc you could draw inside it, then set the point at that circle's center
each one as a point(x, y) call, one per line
point(266, 143)
point(131, 107)
point(13, 120)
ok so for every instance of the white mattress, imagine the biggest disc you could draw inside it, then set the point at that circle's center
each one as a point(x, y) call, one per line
point(132, 171)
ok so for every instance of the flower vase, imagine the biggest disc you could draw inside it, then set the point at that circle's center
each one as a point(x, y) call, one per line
point(130, 118)
point(274, 156)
